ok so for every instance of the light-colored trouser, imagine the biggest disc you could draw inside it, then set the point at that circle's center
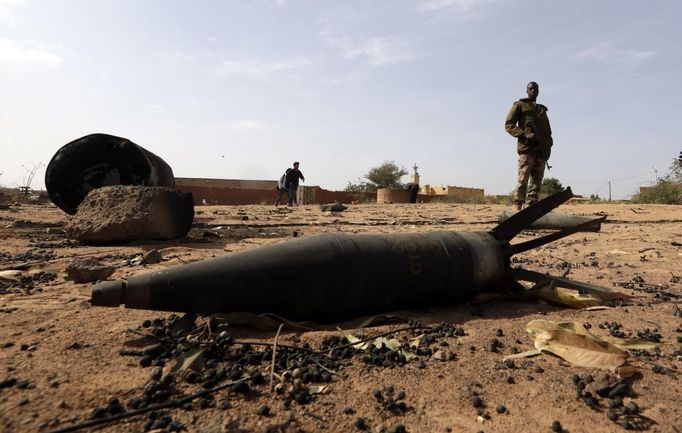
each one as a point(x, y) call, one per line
point(533, 167)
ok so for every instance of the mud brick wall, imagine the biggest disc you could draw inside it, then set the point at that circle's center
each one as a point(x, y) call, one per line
point(315, 194)
point(225, 183)
point(238, 192)
point(464, 193)
point(209, 195)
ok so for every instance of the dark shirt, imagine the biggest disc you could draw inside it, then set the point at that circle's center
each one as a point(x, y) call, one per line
point(293, 175)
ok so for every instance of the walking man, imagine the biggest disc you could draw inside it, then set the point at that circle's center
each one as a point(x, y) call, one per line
point(528, 122)
point(281, 188)
point(292, 176)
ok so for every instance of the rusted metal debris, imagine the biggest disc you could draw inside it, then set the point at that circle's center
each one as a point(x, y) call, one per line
point(98, 160)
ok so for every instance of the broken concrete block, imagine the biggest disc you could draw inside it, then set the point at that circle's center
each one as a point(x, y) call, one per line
point(123, 213)
point(87, 270)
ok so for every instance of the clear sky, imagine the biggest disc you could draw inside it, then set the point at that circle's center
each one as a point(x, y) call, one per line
point(242, 88)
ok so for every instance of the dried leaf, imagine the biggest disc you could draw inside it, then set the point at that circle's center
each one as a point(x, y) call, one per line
point(408, 354)
point(439, 356)
point(632, 343)
point(536, 327)
point(626, 371)
point(11, 275)
point(567, 297)
point(526, 354)
point(598, 308)
point(391, 344)
point(416, 341)
point(193, 359)
point(264, 322)
point(353, 339)
point(382, 319)
point(317, 389)
point(580, 350)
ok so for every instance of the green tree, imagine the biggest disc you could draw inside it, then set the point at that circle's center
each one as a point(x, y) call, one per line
point(668, 189)
point(551, 185)
point(675, 172)
point(386, 175)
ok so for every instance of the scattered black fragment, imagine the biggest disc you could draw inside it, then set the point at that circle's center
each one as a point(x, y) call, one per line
point(556, 427)
point(361, 423)
point(263, 410)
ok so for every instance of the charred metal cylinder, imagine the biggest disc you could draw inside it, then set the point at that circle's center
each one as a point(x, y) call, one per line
point(325, 277)
point(558, 221)
point(98, 160)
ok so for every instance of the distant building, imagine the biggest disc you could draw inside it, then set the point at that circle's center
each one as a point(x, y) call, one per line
point(455, 192)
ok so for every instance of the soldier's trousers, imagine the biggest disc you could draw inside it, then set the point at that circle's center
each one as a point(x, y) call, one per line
point(531, 168)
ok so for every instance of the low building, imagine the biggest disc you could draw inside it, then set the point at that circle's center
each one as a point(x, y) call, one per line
point(455, 192)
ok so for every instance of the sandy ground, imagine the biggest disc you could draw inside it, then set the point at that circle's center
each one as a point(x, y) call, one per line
point(64, 353)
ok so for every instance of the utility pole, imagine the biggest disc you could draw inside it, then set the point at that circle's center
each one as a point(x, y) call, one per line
point(655, 174)
point(609, 190)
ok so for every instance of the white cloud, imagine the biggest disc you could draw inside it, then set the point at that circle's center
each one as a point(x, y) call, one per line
point(262, 69)
point(379, 50)
point(215, 62)
point(455, 9)
point(7, 10)
point(640, 55)
point(611, 52)
point(13, 54)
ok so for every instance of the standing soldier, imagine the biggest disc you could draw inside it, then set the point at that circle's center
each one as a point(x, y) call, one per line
point(528, 122)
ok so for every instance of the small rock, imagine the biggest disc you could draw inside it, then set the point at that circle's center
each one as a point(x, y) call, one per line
point(348, 410)
point(75, 345)
point(87, 270)
point(156, 373)
point(361, 423)
point(264, 410)
point(493, 345)
point(152, 257)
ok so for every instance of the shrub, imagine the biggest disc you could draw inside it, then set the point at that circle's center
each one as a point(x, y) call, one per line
point(665, 191)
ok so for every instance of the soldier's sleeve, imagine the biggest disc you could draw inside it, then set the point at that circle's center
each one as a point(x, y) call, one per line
point(511, 123)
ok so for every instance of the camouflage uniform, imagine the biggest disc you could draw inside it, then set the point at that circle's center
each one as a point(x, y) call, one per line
point(527, 116)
